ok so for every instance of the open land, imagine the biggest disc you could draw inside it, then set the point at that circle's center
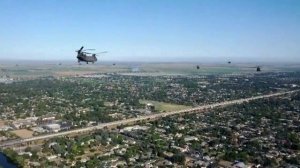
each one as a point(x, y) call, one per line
point(23, 133)
point(165, 107)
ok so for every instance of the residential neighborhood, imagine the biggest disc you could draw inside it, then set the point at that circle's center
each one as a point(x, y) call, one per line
point(259, 133)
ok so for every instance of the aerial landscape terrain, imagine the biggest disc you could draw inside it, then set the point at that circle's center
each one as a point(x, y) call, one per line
point(40, 99)
point(150, 84)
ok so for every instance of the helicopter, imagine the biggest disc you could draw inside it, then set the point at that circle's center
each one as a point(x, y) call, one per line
point(258, 68)
point(198, 67)
point(84, 56)
point(229, 62)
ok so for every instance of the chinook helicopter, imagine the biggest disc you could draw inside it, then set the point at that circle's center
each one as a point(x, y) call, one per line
point(258, 68)
point(87, 57)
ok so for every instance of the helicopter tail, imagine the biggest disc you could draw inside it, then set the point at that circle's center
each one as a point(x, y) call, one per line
point(94, 57)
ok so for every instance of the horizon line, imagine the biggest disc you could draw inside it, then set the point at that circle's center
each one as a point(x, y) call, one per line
point(150, 61)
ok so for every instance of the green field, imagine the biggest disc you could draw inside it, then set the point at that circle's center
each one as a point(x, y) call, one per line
point(165, 107)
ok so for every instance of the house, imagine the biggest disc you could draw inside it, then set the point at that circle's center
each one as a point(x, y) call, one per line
point(239, 165)
point(190, 138)
point(52, 157)
point(150, 107)
point(185, 149)
point(25, 153)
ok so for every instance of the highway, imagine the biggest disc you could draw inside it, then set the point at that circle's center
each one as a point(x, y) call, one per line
point(141, 118)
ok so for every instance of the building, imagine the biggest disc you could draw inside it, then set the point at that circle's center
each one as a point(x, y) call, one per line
point(52, 127)
point(24, 123)
point(46, 120)
point(150, 107)
point(133, 128)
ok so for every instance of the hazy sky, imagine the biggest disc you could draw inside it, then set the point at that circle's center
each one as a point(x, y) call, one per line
point(152, 30)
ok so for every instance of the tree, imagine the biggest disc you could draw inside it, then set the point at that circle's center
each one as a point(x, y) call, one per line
point(179, 158)
point(14, 157)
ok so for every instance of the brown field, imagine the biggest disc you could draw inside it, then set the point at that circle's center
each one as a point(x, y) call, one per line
point(2, 123)
point(32, 70)
point(23, 133)
point(72, 73)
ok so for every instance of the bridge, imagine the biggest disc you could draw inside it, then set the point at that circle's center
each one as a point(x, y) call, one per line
point(134, 120)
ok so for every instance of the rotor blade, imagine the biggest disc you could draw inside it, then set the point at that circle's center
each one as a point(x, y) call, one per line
point(89, 49)
point(87, 53)
point(101, 52)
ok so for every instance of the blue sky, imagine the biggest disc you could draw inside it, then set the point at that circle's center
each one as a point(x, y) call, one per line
point(152, 30)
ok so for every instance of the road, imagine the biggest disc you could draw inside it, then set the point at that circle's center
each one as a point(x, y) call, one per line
point(141, 118)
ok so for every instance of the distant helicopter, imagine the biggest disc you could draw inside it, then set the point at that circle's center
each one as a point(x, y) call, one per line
point(198, 67)
point(258, 68)
point(229, 62)
point(85, 57)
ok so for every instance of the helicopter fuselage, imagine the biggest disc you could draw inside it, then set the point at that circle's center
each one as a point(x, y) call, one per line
point(84, 58)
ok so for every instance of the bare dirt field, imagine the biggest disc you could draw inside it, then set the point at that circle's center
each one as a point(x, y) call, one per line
point(2, 123)
point(165, 107)
point(23, 133)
